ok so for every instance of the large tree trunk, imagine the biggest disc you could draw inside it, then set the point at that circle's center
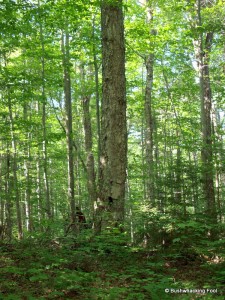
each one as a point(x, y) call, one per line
point(110, 212)
point(202, 52)
point(206, 109)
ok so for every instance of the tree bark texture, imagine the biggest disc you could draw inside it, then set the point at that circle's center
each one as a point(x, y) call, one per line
point(149, 64)
point(202, 53)
point(15, 190)
point(69, 129)
point(113, 122)
point(97, 96)
point(27, 193)
point(206, 110)
point(9, 204)
point(44, 133)
point(149, 129)
point(90, 163)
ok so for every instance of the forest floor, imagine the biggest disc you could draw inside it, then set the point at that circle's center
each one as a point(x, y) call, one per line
point(103, 270)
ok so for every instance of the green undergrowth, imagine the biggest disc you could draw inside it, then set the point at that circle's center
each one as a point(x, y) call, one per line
point(105, 267)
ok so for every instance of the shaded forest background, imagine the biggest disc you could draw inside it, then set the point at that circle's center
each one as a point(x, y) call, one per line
point(52, 138)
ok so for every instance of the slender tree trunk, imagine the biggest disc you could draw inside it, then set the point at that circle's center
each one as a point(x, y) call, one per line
point(149, 119)
point(143, 159)
point(130, 209)
point(219, 159)
point(8, 210)
point(110, 212)
point(96, 69)
point(2, 200)
point(44, 133)
point(14, 171)
point(195, 187)
point(91, 184)
point(40, 210)
point(178, 187)
point(157, 168)
point(69, 129)
point(27, 198)
point(143, 135)
point(149, 130)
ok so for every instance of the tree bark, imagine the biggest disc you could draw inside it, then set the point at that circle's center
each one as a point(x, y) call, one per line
point(9, 204)
point(44, 133)
point(149, 119)
point(202, 53)
point(69, 128)
point(27, 192)
point(206, 110)
point(91, 183)
point(110, 212)
point(97, 96)
point(90, 163)
point(16, 193)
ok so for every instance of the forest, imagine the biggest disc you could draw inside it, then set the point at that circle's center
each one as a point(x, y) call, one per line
point(112, 149)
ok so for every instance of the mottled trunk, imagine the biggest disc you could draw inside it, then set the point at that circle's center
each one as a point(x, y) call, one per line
point(110, 212)
point(68, 117)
